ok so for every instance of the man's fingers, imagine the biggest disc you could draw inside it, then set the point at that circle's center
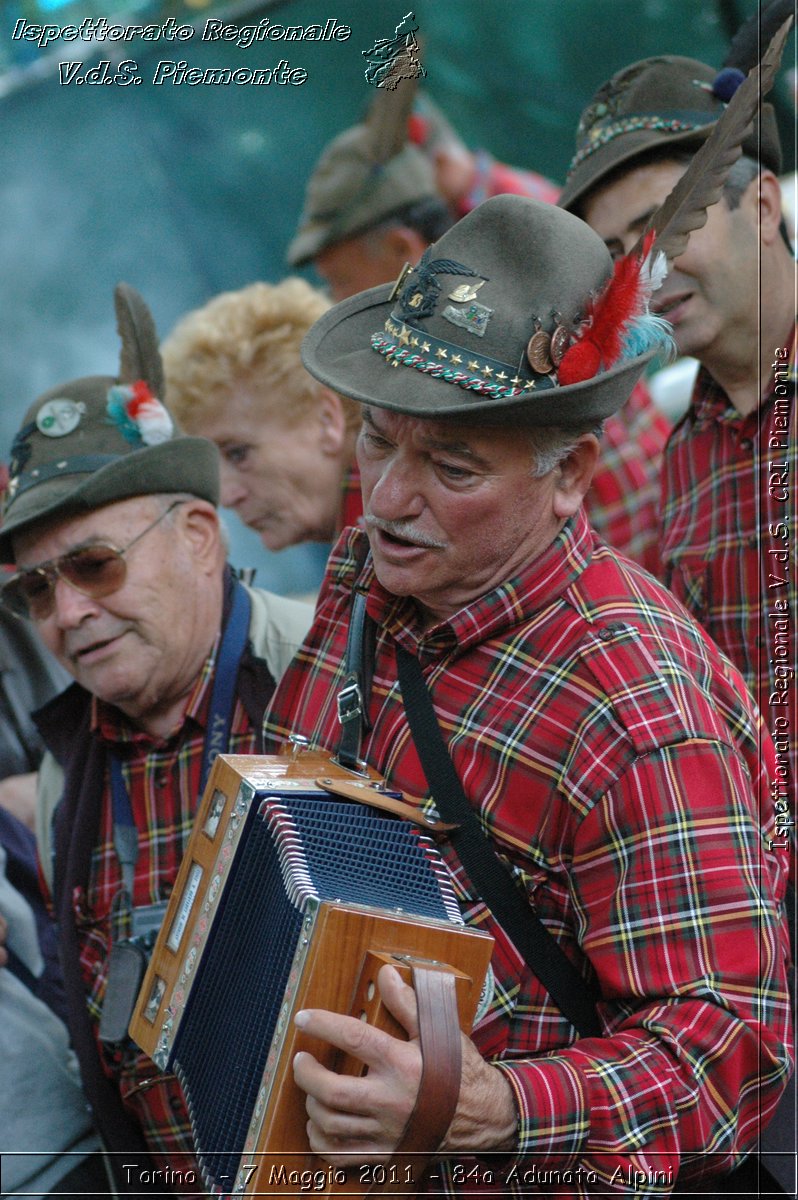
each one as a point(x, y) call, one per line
point(337, 1129)
point(367, 1043)
point(343, 1093)
point(399, 999)
point(352, 1116)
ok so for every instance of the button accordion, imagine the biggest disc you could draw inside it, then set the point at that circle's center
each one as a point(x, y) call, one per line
point(296, 886)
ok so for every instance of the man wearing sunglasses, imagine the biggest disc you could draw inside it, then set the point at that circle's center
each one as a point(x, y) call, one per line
point(110, 520)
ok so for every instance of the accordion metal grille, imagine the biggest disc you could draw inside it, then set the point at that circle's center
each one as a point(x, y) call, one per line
point(231, 1014)
point(293, 847)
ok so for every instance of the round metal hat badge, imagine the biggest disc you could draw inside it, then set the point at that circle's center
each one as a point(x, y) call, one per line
point(59, 417)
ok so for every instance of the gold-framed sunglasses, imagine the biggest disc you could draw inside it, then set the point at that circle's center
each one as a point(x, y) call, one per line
point(95, 570)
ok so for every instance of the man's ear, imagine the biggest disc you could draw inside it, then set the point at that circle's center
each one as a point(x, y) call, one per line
point(574, 475)
point(766, 196)
point(199, 523)
point(400, 245)
point(332, 420)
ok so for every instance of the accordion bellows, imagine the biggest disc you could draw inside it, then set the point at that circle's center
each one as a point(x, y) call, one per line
point(288, 897)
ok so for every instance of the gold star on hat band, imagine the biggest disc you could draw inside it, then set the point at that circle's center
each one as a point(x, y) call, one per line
point(406, 345)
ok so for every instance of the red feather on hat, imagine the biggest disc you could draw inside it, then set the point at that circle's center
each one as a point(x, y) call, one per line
point(624, 298)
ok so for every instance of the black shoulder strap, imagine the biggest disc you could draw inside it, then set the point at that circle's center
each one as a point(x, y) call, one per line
point(352, 698)
point(548, 962)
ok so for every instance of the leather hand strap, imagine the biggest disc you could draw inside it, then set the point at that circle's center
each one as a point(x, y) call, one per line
point(439, 1089)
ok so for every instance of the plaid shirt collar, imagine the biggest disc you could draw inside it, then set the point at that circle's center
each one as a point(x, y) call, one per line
point(545, 580)
point(711, 403)
point(115, 728)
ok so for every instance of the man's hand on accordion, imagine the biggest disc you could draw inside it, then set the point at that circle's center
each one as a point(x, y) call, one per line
point(354, 1117)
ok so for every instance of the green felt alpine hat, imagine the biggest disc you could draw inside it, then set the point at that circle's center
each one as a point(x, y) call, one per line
point(657, 105)
point(350, 192)
point(364, 176)
point(480, 329)
point(96, 440)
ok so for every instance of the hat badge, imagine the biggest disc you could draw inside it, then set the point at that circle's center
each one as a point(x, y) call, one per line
point(59, 417)
point(421, 292)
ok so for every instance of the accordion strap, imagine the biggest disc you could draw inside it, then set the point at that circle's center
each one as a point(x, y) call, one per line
point(571, 993)
point(352, 698)
point(441, 1052)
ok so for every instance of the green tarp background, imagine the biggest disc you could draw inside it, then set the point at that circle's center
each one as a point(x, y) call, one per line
point(187, 191)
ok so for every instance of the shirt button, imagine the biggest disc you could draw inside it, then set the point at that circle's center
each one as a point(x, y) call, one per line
point(605, 634)
point(746, 444)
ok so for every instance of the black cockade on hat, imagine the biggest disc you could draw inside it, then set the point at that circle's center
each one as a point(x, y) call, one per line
point(421, 292)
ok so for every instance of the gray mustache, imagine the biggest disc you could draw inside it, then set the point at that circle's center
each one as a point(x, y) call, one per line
point(405, 530)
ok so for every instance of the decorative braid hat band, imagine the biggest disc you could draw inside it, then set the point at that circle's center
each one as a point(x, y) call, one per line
point(658, 104)
point(96, 440)
point(488, 326)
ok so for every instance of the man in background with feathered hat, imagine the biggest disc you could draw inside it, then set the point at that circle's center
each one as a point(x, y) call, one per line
point(110, 519)
point(729, 522)
point(610, 753)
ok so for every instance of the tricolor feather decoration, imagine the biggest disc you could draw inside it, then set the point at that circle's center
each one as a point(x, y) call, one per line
point(138, 415)
point(619, 323)
point(600, 344)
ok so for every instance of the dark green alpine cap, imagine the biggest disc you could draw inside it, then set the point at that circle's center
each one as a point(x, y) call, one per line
point(96, 440)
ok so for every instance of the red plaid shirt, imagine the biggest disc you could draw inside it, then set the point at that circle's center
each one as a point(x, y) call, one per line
point(623, 501)
point(624, 498)
point(615, 759)
point(163, 781)
point(351, 508)
point(493, 178)
point(729, 539)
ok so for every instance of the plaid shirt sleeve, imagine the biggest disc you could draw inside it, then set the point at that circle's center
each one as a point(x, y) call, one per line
point(689, 1065)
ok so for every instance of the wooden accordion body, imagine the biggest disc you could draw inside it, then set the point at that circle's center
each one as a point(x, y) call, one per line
point(289, 896)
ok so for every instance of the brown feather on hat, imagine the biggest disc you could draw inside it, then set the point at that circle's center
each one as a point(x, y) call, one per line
point(139, 357)
point(364, 176)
